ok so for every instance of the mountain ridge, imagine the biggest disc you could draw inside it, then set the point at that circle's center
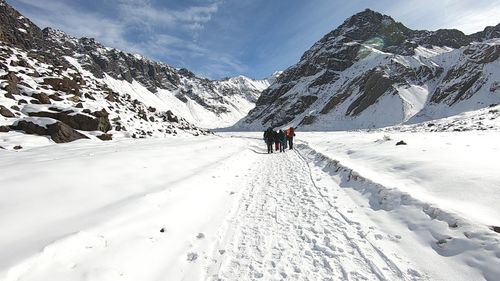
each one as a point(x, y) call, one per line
point(370, 57)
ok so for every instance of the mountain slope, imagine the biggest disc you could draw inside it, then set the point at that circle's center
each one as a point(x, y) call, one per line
point(373, 71)
point(67, 88)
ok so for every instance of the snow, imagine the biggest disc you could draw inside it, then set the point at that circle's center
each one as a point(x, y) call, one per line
point(342, 206)
point(58, 225)
point(22, 30)
point(40, 121)
point(439, 168)
point(415, 98)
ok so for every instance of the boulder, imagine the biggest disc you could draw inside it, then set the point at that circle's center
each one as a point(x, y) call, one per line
point(105, 137)
point(171, 117)
point(401, 143)
point(43, 98)
point(4, 129)
point(18, 147)
point(74, 99)
point(58, 131)
point(110, 97)
point(65, 84)
point(11, 86)
point(79, 121)
point(5, 112)
point(55, 97)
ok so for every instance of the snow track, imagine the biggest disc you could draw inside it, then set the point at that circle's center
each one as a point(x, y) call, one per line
point(286, 229)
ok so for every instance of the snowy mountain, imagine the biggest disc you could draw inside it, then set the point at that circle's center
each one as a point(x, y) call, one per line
point(69, 88)
point(374, 72)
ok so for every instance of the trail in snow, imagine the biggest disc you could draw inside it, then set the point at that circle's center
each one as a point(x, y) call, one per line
point(284, 228)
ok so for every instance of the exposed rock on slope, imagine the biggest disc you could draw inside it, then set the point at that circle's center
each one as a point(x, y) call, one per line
point(373, 71)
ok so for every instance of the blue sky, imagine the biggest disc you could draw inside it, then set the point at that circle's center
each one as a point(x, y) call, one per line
point(219, 38)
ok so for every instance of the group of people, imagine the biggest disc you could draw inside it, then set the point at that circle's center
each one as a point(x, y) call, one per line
point(281, 139)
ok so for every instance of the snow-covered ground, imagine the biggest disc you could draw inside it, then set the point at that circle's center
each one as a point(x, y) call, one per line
point(342, 206)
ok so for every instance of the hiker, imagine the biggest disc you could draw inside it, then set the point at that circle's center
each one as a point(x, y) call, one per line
point(282, 139)
point(276, 141)
point(289, 135)
point(269, 139)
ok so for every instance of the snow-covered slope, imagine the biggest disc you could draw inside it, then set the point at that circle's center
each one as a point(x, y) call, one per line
point(374, 72)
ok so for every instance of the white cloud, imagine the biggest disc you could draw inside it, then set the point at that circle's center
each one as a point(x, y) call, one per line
point(466, 15)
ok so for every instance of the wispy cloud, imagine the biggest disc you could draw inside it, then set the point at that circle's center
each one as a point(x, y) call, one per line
point(143, 12)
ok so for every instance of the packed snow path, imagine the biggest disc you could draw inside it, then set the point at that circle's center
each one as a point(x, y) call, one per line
point(285, 229)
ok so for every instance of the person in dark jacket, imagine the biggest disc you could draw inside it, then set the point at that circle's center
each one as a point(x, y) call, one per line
point(277, 142)
point(282, 139)
point(290, 134)
point(269, 139)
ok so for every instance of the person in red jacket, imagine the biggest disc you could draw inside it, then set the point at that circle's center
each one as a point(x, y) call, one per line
point(290, 133)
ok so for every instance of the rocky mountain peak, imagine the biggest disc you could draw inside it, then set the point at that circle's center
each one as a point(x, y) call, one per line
point(369, 62)
point(17, 30)
point(368, 17)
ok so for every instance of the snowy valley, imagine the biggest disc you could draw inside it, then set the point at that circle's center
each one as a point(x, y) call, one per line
point(116, 167)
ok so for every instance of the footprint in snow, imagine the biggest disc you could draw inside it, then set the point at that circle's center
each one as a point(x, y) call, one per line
point(200, 235)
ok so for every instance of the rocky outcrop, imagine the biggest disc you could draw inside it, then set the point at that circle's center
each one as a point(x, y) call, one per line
point(98, 122)
point(58, 131)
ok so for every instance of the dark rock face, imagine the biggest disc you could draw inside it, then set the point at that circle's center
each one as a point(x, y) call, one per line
point(79, 121)
point(373, 86)
point(5, 112)
point(59, 132)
